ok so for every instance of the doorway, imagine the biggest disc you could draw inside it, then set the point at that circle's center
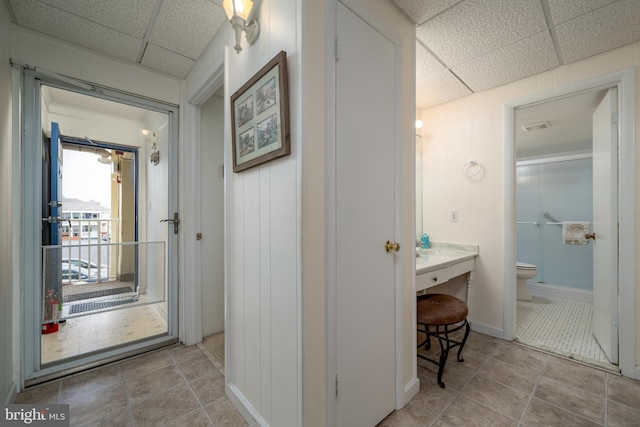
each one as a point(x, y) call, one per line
point(106, 240)
point(544, 222)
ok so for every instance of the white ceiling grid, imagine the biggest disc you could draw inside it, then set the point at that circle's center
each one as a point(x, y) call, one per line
point(462, 47)
point(488, 43)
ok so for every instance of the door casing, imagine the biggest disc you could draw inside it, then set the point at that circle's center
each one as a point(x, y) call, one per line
point(625, 82)
point(30, 257)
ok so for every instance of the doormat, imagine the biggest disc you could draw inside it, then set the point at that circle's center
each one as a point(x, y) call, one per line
point(98, 305)
point(97, 294)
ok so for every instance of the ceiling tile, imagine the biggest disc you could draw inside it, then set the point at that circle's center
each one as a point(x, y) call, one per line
point(474, 28)
point(427, 64)
point(166, 61)
point(563, 10)
point(439, 88)
point(71, 28)
point(420, 11)
point(127, 16)
point(599, 31)
point(525, 58)
point(186, 30)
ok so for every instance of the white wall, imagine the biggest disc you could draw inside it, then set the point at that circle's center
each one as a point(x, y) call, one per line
point(7, 381)
point(474, 127)
point(262, 230)
point(212, 208)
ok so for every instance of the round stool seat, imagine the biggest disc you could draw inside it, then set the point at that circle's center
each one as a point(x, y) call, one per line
point(440, 309)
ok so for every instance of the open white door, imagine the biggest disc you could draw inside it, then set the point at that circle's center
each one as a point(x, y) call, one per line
point(605, 225)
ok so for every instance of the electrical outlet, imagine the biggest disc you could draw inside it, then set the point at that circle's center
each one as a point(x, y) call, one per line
point(454, 216)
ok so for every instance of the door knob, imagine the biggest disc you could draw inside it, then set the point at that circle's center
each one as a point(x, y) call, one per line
point(392, 246)
point(590, 236)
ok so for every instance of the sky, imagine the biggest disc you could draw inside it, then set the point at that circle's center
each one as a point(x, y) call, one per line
point(84, 178)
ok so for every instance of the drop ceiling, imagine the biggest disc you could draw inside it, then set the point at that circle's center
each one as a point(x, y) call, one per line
point(468, 46)
point(462, 47)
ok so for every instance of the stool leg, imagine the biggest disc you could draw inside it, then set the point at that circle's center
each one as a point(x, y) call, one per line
point(464, 340)
point(444, 353)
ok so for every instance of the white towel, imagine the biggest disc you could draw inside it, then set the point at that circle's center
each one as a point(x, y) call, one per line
point(573, 232)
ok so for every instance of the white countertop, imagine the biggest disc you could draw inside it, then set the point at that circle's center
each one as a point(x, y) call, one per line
point(441, 255)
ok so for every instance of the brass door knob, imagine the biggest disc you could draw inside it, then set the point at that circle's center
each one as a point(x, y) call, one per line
point(392, 246)
point(590, 236)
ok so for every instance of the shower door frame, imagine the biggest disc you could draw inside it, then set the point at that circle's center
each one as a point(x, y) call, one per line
point(625, 82)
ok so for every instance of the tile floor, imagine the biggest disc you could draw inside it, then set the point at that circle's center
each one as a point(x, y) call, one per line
point(178, 386)
point(102, 330)
point(560, 326)
point(506, 384)
point(499, 384)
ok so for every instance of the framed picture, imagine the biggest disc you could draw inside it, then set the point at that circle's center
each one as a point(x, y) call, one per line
point(260, 116)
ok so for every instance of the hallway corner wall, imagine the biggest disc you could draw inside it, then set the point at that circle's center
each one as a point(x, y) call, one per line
point(8, 256)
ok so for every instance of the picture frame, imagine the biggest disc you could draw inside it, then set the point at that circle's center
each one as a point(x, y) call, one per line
point(260, 116)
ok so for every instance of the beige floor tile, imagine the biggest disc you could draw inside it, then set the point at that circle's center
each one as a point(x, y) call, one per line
point(432, 399)
point(182, 353)
point(118, 418)
point(197, 367)
point(86, 382)
point(576, 400)
point(408, 416)
point(172, 404)
point(96, 404)
point(543, 414)
point(45, 393)
point(456, 374)
point(620, 415)
point(521, 378)
point(465, 412)
point(223, 413)
point(624, 390)
point(521, 357)
point(197, 418)
point(503, 399)
point(575, 374)
point(153, 383)
point(146, 363)
point(208, 388)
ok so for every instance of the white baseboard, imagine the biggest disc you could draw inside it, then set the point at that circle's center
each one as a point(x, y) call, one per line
point(243, 406)
point(410, 390)
point(564, 292)
point(11, 394)
point(487, 330)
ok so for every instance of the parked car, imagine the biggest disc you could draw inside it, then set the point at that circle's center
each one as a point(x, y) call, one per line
point(70, 273)
point(89, 269)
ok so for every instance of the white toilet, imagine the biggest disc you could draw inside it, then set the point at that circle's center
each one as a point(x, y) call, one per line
point(524, 272)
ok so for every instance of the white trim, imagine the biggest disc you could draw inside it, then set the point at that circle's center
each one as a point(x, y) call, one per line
point(563, 292)
point(625, 81)
point(487, 330)
point(246, 409)
point(11, 394)
point(410, 390)
point(554, 159)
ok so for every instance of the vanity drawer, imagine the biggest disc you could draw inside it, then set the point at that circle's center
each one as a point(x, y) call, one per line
point(432, 278)
point(462, 267)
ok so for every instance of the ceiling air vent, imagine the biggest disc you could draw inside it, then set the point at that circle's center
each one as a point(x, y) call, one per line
point(536, 126)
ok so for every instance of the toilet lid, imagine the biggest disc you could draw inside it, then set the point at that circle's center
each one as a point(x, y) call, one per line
point(525, 266)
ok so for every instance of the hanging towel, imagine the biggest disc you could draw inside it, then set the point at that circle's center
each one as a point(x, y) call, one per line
point(573, 232)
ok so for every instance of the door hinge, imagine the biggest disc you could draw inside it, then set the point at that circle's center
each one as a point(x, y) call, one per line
point(614, 321)
point(337, 50)
point(614, 118)
point(336, 387)
point(175, 221)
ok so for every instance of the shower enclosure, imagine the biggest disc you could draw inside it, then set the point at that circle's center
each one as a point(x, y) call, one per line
point(550, 191)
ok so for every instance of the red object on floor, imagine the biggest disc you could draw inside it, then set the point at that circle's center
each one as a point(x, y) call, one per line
point(49, 328)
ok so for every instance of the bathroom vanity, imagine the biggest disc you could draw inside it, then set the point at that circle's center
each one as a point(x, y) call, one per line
point(442, 262)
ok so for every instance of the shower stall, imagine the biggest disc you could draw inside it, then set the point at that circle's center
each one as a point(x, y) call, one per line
point(548, 192)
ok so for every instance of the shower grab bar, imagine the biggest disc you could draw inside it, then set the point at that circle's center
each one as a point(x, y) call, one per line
point(559, 223)
point(528, 222)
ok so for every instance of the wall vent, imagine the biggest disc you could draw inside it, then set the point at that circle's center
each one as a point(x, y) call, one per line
point(535, 126)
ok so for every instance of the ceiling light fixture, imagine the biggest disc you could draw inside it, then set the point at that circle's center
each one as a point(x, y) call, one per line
point(238, 12)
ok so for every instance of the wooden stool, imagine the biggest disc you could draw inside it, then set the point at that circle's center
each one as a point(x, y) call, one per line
point(440, 315)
